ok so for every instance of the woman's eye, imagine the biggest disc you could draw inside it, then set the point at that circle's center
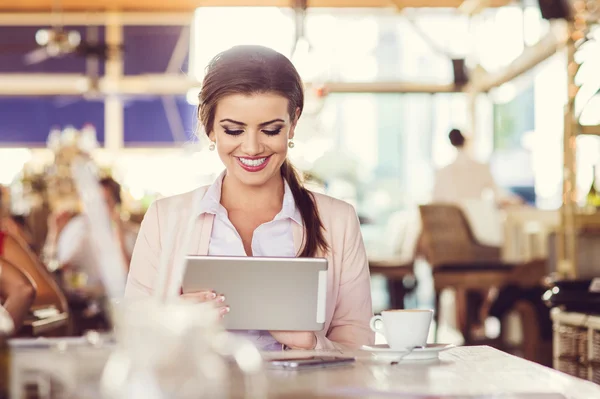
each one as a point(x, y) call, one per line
point(272, 132)
point(234, 132)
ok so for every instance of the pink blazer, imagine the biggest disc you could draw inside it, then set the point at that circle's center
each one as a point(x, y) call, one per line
point(348, 309)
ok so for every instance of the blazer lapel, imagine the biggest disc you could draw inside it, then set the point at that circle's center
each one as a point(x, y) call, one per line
point(298, 233)
point(200, 239)
point(202, 233)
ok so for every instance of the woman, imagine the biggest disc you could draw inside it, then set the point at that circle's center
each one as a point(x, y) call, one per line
point(250, 103)
point(17, 294)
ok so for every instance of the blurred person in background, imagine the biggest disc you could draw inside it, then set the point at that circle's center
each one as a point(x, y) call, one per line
point(466, 182)
point(470, 185)
point(71, 248)
point(467, 179)
point(72, 239)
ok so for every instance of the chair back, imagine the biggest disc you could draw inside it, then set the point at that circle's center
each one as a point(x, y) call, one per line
point(447, 237)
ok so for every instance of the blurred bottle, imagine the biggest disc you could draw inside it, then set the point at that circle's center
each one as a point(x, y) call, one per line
point(592, 200)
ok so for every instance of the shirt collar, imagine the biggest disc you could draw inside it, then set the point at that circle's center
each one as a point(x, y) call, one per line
point(211, 202)
point(289, 209)
point(462, 155)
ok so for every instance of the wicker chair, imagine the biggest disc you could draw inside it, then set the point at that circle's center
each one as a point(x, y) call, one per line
point(458, 261)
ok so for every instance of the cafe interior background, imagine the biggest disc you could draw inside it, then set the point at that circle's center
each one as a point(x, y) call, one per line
point(386, 80)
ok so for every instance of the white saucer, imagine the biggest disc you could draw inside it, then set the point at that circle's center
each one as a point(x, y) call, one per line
point(384, 352)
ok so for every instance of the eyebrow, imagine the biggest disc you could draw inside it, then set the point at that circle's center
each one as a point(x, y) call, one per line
point(260, 124)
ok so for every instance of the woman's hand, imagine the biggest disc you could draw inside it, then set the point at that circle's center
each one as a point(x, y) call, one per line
point(208, 296)
point(296, 339)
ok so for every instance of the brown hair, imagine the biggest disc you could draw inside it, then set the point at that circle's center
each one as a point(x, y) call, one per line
point(456, 138)
point(113, 187)
point(256, 69)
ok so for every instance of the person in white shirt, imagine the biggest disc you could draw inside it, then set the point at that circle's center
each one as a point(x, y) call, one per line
point(74, 249)
point(467, 179)
point(470, 185)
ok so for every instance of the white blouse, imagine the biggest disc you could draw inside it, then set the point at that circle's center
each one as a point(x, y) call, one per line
point(274, 238)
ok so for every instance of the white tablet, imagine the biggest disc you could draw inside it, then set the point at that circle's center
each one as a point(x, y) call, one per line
point(275, 294)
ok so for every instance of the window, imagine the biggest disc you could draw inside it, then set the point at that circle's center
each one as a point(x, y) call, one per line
point(383, 144)
point(376, 150)
point(345, 45)
point(218, 28)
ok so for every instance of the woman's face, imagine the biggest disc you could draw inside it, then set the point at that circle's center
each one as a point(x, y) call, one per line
point(251, 133)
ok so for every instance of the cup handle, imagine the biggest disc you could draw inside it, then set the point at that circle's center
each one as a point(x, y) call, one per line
point(376, 323)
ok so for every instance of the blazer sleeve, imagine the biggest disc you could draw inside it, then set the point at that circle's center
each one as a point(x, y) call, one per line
point(143, 268)
point(350, 324)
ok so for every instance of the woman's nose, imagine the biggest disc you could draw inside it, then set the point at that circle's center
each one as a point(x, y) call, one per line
point(252, 144)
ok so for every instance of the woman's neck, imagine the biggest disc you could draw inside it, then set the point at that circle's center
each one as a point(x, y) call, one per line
point(236, 195)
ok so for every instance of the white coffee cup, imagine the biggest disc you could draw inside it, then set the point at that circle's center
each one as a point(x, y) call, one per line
point(403, 328)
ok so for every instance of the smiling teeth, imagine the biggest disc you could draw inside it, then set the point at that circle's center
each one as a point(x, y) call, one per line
point(252, 162)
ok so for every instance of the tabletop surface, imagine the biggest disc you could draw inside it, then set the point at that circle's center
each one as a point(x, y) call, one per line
point(463, 372)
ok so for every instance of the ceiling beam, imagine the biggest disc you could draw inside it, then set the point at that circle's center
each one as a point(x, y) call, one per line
point(37, 84)
point(190, 5)
point(389, 87)
point(531, 56)
point(96, 18)
point(590, 129)
point(30, 84)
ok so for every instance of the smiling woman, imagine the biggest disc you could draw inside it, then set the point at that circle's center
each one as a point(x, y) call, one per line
point(250, 103)
point(246, 135)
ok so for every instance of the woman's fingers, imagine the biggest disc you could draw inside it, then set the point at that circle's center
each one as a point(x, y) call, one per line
point(200, 296)
point(223, 310)
point(208, 296)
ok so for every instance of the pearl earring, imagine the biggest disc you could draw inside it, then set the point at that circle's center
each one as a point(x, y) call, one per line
point(291, 144)
point(211, 147)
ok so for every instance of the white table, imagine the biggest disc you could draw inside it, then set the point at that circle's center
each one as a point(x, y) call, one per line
point(459, 371)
